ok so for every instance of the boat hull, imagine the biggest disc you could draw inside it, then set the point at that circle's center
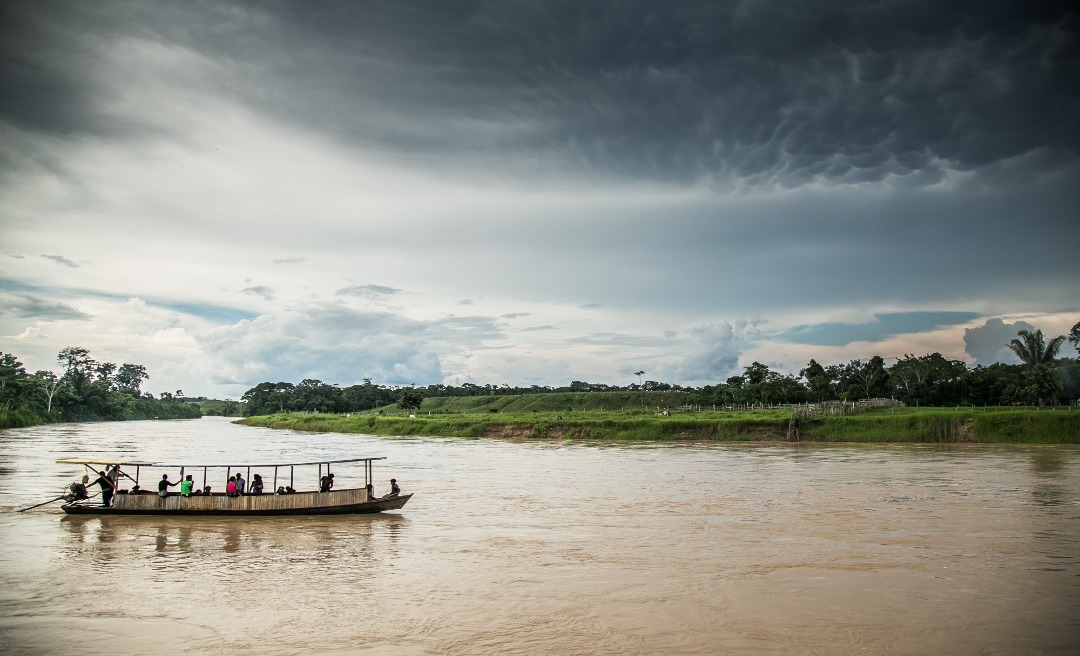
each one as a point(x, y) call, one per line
point(335, 502)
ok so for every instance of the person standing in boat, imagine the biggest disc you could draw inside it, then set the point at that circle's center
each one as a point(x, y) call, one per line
point(326, 482)
point(240, 483)
point(164, 485)
point(107, 488)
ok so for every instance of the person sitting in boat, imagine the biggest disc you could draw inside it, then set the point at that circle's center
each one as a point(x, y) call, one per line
point(326, 482)
point(370, 491)
point(185, 486)
point(256, 484)
point(164, 485)
point(289, 490)
point(241, 484)
point(107, 489)
point(394, 489)
point(230, 487)
point(206, 491)
point(280, 490)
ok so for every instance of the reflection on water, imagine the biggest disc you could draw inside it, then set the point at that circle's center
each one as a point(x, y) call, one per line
point(1048, 465)
point(557, 548)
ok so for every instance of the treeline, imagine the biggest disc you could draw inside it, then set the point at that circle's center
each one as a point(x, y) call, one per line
point(927, 380)
point(84, 390)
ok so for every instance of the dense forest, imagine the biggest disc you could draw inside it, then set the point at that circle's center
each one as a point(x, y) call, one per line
point(85, 390)
point(928, 380)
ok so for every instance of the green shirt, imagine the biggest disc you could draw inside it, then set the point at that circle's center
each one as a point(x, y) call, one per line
point(185, 487)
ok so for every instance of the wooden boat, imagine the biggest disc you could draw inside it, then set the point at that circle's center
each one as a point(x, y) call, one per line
point(136, 501)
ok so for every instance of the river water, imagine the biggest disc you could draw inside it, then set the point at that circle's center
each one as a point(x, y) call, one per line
point(514, 547)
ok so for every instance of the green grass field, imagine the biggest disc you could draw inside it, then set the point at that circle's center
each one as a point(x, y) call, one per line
point(521, 418)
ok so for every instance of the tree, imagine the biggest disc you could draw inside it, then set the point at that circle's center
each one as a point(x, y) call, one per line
point(12, 378)
point(313, 395)
point(1033, 349)
point(104, 371)
point(78, 365)
point(929, 379)
point(265, 398)
point(131, 377)
point(1042, 384)
point(1074, 336)
point(410, 399)
point(756, 373)
point(866, 380)
point(820, 380)
point(1037, 354)
point(48, 385)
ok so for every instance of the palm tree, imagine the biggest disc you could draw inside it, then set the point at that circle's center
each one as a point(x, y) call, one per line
point(1037, 355)
point(1032, 348)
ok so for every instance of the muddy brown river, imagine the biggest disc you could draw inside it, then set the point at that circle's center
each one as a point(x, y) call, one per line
point(554, 548)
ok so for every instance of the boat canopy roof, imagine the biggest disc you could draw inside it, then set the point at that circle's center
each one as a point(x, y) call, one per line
point(102, 461)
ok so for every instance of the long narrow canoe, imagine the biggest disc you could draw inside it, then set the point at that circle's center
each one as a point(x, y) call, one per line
point(146, 502)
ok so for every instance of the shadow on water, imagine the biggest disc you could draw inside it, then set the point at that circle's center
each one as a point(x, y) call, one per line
point(182, 543)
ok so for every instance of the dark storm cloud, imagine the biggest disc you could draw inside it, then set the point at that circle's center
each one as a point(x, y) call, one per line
point(761, 92)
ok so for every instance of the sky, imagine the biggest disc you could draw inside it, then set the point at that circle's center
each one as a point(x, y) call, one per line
point(531, 193)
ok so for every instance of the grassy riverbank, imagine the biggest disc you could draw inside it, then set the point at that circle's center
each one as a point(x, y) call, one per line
point(891, 425)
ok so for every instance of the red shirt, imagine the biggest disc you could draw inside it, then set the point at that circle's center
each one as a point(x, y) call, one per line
point(230, 488)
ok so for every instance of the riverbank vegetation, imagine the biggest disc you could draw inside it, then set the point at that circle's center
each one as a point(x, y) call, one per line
point(932, 380)
point(896, 424)
point(85, 390)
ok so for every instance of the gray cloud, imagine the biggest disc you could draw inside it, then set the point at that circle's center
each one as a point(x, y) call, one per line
point(59, 259)
point(289, 260)
point(262, 291)
point(32, 306)
point(989, 343)
point(342, 346)
point(764, 93)
point(715, 356)
point(367, 291)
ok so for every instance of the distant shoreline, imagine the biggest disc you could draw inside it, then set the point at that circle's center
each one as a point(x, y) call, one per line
point(906, 426)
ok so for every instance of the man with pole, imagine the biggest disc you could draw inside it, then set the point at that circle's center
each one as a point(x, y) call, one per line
point(107, 488)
